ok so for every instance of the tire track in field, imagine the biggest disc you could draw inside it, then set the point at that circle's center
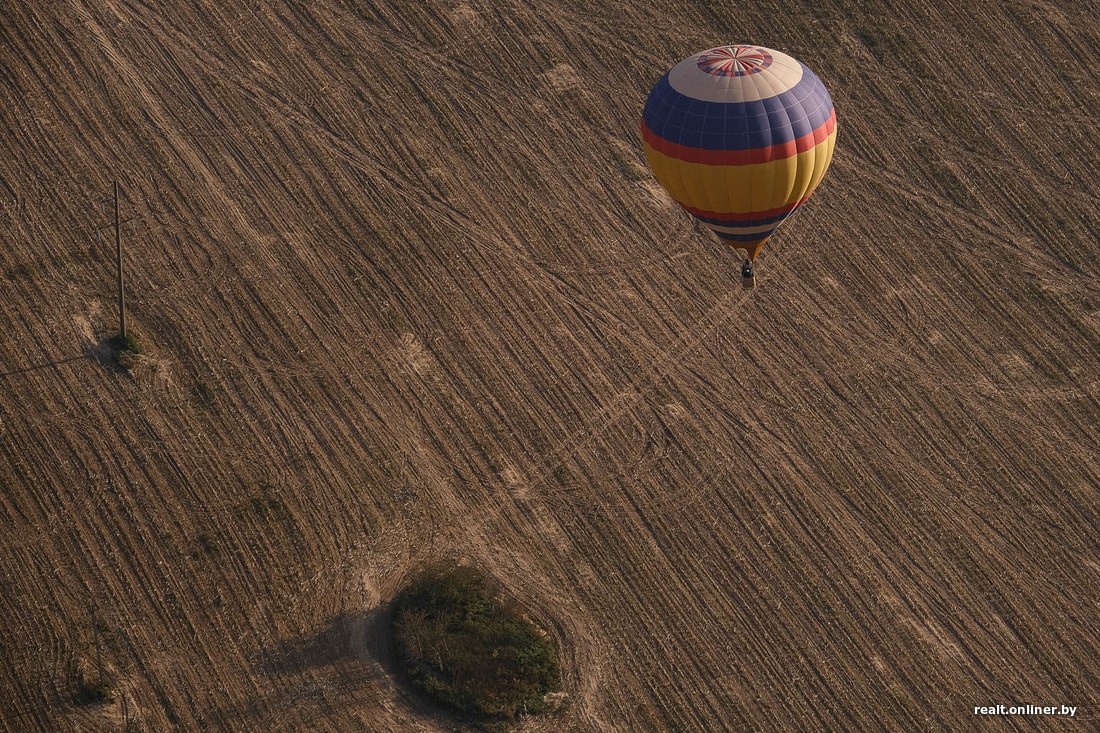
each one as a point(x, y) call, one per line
point(450, 215)
point(625, 408)
point(129, 75)
point(504, 241)
point(490, 84)
point(662, 367)
point(550, 525)
point(663, 364)
point(359, 158)
point(906, 186)
point(355, 157)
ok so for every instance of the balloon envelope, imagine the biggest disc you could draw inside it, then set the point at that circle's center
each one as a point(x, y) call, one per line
point(740, 136)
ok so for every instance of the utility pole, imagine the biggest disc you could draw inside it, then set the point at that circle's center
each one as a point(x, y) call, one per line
point(121, 288)
point(98, 658)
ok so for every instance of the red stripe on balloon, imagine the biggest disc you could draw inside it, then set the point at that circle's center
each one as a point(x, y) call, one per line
point(735, 218)
point(739, 157)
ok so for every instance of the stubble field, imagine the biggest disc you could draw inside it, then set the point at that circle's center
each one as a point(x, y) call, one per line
point(408, 293)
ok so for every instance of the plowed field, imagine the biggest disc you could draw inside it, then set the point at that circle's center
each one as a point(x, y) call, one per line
point(408, 292)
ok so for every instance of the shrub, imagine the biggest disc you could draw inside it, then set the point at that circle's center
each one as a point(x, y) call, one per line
point(126, 351)
point(461, 641)
point(92, 688)
point(94, 692)
point(207, 544)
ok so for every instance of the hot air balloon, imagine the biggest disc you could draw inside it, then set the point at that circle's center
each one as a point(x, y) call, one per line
point(739, 136)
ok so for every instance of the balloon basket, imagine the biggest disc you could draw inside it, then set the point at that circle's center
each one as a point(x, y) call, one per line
point(748, 283)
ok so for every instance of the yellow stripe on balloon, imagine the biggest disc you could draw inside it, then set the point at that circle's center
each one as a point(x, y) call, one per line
point(743, 189)
point(821, 163)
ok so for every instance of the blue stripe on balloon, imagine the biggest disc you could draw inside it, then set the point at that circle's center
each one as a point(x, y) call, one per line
point(754, 237)
point(697, 123)
point(747, 223)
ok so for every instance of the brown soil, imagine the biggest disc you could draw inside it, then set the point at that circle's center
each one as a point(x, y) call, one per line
point(407, 292)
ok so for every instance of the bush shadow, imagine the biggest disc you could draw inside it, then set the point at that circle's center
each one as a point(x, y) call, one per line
point(364, 640)
point(348, 636)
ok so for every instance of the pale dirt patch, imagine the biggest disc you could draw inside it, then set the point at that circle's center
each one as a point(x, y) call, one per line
point(562, 77)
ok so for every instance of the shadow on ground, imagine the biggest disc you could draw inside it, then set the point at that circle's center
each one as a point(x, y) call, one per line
point(357, 648)
point(90, 352)
point(362, 637)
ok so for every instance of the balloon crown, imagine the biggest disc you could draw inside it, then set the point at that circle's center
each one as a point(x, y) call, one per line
point(739, 60)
